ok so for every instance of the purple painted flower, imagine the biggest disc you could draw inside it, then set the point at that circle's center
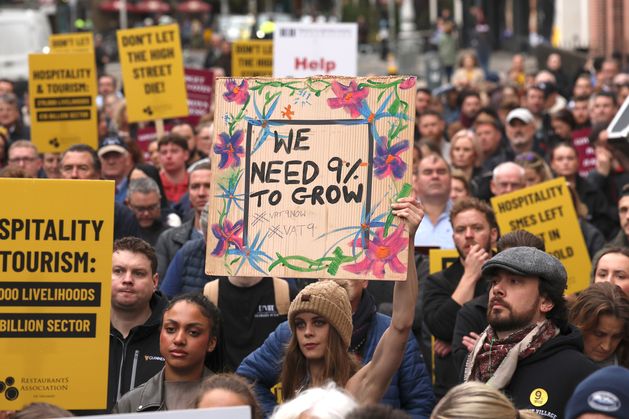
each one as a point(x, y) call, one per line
point(408, 83)
point(228, 234)
point(230, 149)
point(348, 97)
point(238, 93)
point(381, 251)
point(388, 161)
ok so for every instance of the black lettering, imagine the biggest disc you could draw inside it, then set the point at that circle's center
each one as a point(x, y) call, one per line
point(353, 196)
point(301, 139)
point(271, 171)
point(308, 179)
point(291, 173)
point(333, 194)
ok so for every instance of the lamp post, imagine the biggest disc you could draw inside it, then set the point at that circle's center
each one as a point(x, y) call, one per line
point(409, 42)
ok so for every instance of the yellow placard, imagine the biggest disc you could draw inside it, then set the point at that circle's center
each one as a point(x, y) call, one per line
point(440, 259)
point(546, 210)
point(252, 58)
point(152, 72)
point(62, 91)
point(55, 285)
point(71, 42)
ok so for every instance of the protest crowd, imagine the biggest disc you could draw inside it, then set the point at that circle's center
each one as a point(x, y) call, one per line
point(492, 335)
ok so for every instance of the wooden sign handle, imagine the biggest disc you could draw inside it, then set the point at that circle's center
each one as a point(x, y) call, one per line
point(159, 128)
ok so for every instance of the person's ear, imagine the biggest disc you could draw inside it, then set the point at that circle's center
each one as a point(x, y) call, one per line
point(211, 345)
point(546, 305)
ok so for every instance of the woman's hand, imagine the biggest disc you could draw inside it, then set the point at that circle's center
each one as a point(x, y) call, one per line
point(411, 210)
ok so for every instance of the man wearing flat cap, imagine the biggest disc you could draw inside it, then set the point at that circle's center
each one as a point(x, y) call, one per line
point(528, 350)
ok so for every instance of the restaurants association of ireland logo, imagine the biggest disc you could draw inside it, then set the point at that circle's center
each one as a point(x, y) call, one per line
point(8, 390)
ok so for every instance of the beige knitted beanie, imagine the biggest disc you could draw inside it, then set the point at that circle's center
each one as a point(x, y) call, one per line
point(327, 299)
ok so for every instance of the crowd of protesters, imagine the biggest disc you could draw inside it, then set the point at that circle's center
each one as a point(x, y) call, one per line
point(181, 339)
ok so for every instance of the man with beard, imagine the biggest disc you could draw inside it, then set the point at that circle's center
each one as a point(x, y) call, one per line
point(520, 130)
point(529, 350)
point(474, 233)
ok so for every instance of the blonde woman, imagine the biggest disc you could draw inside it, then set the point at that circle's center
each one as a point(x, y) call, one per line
point(475, 400)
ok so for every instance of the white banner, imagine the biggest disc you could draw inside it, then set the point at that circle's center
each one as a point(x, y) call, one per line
point(240, 412)
point(311, 49)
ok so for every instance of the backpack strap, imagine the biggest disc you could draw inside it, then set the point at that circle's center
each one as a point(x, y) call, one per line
point(282, 296)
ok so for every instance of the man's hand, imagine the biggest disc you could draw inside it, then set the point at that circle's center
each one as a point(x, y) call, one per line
point(474, 261)
point(470, 341)
point(442, 348)
point(603, 160)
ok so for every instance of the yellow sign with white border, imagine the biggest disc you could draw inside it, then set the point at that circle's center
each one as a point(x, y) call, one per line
point(71, 42)
point(55, 287)
point(152, 72)
point(62, 90)
point(547, 210)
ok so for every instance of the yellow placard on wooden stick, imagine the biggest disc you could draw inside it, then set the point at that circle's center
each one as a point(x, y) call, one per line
point(62, 90)
point(547, 210)
point(152, 72)
point(55, 292)
point(80, 42)
point(305, 171)
point(252, 58)
point(441, 259)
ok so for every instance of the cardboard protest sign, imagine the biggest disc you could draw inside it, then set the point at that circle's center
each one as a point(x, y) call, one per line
point(546, 210)
point(440, 259)
point(252, 58)
point(80, 42)
point(55, 285)
point(238, 412)
point(304, 174)
point(62, 90)
point(310, 49)
point(199, 89)
point(152, 71)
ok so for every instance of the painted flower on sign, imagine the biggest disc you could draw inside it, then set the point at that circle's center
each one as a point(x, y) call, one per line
point(388, 161)
point(381, 251)
point(348, 97)
point(238, 93)
point(230, 149)
point(226, 235)
point(408, 83)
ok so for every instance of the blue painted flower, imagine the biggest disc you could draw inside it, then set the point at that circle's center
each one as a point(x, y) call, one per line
point(252, 254)
point(230, 148)
point(262, 120)
point(229, 191)
point(388, 161)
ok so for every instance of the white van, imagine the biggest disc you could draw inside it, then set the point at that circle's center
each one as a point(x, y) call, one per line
point(22, 32)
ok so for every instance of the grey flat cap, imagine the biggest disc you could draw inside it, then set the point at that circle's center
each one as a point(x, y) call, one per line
point(529, 261)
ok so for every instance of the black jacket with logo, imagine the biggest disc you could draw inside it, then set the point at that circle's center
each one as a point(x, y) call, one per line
point(134, 360)
point(544, 381)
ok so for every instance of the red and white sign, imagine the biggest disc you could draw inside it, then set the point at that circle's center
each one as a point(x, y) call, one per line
point(311, 49)
point(199, 87)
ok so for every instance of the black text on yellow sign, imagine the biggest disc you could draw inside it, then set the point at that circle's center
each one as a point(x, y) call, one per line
point(62, 91)
point(55, 289)
point(547, 210)
point(152, 71)
point(82, 42)
point(252, 58)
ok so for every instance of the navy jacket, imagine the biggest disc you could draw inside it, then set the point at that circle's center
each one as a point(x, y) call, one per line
point(410, 388)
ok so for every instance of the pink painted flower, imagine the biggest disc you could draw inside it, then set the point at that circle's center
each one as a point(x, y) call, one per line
point(226, 235)
point(388, 161)
point(238, 93)
point(408, 83)
point(348, 97)
point(381, 251)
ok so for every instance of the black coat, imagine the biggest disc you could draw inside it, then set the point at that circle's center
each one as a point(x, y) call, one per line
point(472, 317)
point(554, 370)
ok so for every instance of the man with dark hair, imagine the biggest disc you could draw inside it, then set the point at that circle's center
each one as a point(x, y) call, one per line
point(603, 108)
point(173, 154)
point(136, 311)
point(172, 240)
point(81, 162)
point(186, 131)
point(432, 128)
point(116, 164)
point(529, 350)
point(475, 232)
point(470, 104)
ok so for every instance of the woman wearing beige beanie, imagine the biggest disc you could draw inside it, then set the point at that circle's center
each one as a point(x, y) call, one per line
point(320, 318)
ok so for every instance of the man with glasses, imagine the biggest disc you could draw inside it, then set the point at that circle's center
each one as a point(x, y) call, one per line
point(143, 198)
point(23, 155)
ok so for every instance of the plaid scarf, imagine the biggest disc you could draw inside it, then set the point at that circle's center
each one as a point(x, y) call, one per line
point(493, 361)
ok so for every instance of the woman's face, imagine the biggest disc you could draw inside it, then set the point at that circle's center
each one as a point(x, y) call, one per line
point(614, 268)
point(457, 190)
point(601, 343)
point(185, 338)
point(531, 177)
point(312, 332)
point(468, 62)
point(220, 397)
point(565, 161)
point(462, 153)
